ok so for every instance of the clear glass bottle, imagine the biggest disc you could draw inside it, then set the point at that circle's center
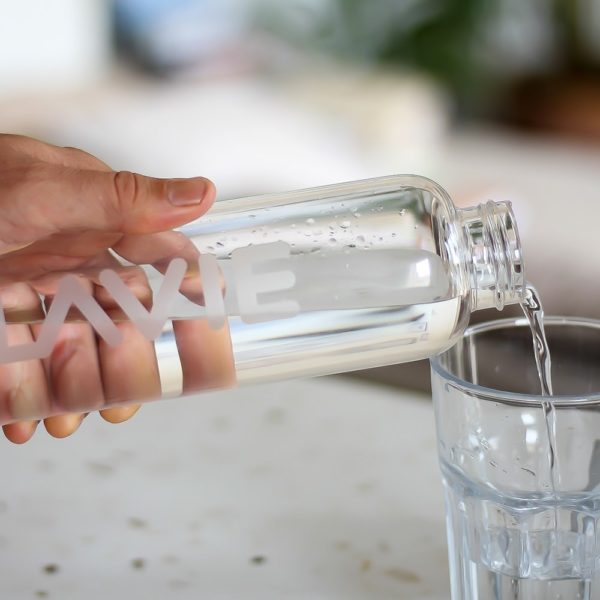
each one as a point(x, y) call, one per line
point(304, 283)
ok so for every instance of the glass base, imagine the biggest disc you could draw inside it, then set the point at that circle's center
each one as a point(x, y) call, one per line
point(533, 548)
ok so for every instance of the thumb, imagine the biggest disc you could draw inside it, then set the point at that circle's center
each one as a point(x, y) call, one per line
point(66, 200)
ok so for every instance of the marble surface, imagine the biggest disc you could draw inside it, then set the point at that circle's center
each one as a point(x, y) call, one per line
point(320, 489)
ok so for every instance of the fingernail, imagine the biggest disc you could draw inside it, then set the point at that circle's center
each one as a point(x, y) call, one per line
point(187, 192)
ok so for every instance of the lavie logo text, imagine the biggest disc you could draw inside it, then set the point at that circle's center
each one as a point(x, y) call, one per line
point(247, 285)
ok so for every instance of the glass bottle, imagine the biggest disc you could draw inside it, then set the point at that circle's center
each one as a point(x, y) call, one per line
point(303, 283)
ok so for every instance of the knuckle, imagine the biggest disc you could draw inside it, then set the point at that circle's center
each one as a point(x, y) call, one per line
point(126, 188)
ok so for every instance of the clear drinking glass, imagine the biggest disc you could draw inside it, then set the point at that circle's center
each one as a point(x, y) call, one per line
point(522, 513)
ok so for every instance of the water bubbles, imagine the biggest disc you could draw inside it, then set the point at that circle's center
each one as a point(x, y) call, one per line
point(345, 224)
point(332, 241)
point(310, 221)
point(361, 239)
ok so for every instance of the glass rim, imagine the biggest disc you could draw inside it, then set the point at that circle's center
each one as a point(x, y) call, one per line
point(516, 398)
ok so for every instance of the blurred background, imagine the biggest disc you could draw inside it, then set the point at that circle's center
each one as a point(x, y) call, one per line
point(495, 99)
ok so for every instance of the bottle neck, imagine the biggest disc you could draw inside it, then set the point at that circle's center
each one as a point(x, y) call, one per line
point(494, 255)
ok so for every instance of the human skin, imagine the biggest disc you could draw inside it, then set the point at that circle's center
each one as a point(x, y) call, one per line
point(62, 209)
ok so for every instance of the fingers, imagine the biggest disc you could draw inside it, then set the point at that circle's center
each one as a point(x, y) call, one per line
point(62, 426)
point(24, 393)
point(206, 355)
point(20, 303)
point(119, 414)
point(73, 370)
point(158, 249)
point(74, 157)
point(129, 370)
point(45, 199)
point(19, 433)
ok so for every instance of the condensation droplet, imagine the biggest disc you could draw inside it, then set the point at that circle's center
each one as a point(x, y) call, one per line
point(310, 221)
point(332, 241)
point(361, 238)
point(220, 245)
point(345, 224)
point(393, 234)
point(210, 248)
point(293, 225)
point(402, 212)
point(357, 215)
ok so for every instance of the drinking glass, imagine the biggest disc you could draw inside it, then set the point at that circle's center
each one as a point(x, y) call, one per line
point(521, 472)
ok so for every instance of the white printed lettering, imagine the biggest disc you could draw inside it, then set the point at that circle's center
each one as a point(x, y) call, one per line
point(150, 323)
point(70, 292)
point(211, 289)
point(250, 284)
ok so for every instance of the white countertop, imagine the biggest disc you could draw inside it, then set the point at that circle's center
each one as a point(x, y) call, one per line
point(320, 489)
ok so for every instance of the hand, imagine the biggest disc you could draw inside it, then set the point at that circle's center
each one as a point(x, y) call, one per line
point(62, 209)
